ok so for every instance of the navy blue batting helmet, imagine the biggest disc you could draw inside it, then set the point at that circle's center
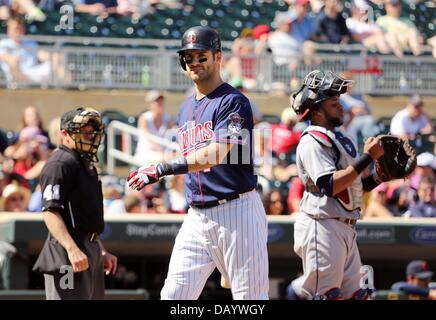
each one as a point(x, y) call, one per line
point(199, 38)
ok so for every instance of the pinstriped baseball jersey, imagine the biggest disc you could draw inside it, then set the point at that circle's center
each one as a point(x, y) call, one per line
point(224, 115)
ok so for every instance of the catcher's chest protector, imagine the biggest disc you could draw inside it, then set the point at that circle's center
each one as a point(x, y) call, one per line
point(346, 154)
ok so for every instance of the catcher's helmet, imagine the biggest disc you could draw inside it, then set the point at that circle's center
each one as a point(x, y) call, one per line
point(87, 143)
point(199, 38)
point(317, 87)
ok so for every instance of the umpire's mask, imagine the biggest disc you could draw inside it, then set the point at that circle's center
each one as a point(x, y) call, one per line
point(86, 128)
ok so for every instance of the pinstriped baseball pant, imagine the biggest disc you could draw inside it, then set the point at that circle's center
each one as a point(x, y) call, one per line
point(231, 237)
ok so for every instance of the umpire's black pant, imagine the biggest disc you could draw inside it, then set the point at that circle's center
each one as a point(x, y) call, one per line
point(86, 285)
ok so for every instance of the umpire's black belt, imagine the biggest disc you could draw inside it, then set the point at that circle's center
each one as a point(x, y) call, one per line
point(211, 204)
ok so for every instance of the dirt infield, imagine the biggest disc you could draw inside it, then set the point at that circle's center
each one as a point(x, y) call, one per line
point(53, 103)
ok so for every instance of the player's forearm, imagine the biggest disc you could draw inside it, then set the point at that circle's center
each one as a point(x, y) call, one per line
point(58, 230)
point(207, 157)
point(342, 179)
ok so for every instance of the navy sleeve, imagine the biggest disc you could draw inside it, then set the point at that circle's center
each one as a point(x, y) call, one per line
point(234, 122)
point(325, 184)
point(55, 186)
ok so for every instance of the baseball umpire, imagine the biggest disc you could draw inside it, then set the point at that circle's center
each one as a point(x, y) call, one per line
point(73, 213)
point(226, 224)
point(330, 167)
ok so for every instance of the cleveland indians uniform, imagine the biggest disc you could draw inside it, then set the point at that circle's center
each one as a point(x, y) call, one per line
point(324, 235)
point(226, 224)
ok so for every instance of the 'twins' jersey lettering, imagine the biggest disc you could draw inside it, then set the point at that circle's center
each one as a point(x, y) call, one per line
point(193, 136)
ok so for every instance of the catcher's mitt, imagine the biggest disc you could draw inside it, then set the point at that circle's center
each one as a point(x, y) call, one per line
point(398, 161)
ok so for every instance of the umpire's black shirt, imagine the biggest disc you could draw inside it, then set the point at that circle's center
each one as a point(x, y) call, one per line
point(70, 186)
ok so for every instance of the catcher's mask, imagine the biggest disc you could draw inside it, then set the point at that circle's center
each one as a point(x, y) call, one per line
point(86, 141)
point(199, 38)
point(317, 87)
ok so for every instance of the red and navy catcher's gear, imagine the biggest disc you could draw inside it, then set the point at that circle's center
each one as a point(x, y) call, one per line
point(199, 38)
point(317, 87)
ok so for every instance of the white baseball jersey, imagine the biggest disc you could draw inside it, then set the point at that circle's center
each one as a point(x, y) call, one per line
point(316, 157)
point(327, 246)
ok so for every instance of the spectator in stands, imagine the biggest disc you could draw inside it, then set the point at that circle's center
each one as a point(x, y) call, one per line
point(155, 122)
point(330, 26)
point(412, 120)
point(30, 153)
point(24, 7)
point(303, 30)
point(15, 198)
point(284, 138)
point(285, 48)
point(95, 7)
point(400, 32)
point(133, 204)
point(134, 8)
point(31, 117)
point(358, 119)
point(418, 277)
point(261, 34)
point(112, 195)
point(426, 205)
point(20, 59)
point(242, 63)
point(426, 167)
point(275, 203)
point(365, 31)
point(377, 206)
point(296, 190)
point(8, 175)
point(400, 196)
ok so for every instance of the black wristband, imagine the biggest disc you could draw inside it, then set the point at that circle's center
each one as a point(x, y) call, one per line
point(173, 167)
point(362, 163)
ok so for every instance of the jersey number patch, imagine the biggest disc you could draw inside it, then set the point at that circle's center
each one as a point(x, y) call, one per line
point(51, 192)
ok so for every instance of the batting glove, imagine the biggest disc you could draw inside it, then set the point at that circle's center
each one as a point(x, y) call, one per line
point(143, 176)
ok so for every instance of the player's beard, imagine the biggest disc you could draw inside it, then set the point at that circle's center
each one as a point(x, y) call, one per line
point(334, 121)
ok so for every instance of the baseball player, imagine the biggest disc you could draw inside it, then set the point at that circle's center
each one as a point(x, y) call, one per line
point(330, 168)
point(226, 224)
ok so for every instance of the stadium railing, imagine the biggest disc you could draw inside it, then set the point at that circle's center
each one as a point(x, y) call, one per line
point(146, 64)
point(125, 152)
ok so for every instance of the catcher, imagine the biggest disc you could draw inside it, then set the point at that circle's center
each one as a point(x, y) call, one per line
point(330, 168)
